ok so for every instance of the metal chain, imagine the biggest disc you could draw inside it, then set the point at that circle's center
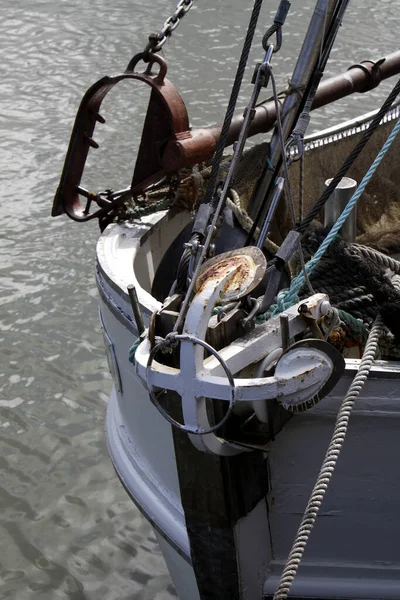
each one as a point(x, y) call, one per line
point(219, 194)
point(157, 40)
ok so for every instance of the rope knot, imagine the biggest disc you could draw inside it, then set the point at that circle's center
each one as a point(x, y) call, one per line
point(285, 299)
point(167, 344)
point(294, 89)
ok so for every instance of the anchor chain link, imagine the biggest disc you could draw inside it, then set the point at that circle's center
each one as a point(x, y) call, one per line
point(157, 40)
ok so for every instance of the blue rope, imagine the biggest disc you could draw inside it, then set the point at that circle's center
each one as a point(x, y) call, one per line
point(287, 298)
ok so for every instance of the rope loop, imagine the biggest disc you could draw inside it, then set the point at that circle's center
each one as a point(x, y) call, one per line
point(167, 344)
point(177, 338)
point(265, 41)
point(292, 88)
point(279, 20)
point(284, 300)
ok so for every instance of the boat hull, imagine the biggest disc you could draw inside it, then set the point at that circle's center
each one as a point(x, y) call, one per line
point(227, 528)
point(353, 552)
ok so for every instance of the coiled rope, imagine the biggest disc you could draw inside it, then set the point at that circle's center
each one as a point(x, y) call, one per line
point(378, 257)
point(329, 463)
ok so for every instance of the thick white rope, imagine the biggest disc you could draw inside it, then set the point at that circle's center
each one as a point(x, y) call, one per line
point(378, 257)
point(330, 460)
point(246, 221)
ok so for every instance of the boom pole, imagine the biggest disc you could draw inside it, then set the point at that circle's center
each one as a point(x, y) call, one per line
point(359, 78)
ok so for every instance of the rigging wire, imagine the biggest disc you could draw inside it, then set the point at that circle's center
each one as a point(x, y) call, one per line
point(287, 298)
point(305, 223)
point(286, 176)
point(221, 144)
point(299, 130)
point(296, 138)
point(211, 196)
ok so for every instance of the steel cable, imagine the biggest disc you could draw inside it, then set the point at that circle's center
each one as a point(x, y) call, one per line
point(209, 197)
point(303, 226)
point(221, 143)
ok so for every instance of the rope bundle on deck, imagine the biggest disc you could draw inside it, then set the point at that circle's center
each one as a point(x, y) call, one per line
point(357, 282)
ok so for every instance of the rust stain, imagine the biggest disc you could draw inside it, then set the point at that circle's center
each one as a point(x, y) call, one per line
point(243, 267)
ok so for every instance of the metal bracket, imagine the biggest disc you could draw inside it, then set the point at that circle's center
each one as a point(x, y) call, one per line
point(299, 375)
point(166, 120)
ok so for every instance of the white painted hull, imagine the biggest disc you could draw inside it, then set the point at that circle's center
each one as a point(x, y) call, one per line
point(353, 551)
point(139, 440)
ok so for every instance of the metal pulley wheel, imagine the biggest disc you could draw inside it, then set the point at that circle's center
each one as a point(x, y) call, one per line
point(250, 265)
point(295, 360)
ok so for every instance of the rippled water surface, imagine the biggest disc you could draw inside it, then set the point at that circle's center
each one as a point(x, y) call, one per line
point(67, 528)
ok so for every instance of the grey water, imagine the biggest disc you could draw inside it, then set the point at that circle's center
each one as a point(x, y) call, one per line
point(67, 528)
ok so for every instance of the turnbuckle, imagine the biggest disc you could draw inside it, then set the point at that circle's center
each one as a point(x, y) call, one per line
point(166, 119)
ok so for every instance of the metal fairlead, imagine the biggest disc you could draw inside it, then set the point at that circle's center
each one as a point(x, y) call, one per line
point(302, 375)
point(166, 120)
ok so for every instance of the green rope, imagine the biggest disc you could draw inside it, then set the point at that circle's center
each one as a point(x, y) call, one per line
point(355, 329)
point(132, 350)
point(287, 298)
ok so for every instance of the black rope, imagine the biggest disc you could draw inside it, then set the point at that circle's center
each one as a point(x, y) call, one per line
point(210, 196)
point(354, 284)
point(221, 143)
point(373, 277)
point(303, 226)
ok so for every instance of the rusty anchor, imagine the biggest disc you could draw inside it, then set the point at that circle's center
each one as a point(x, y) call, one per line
point(166, 121)
point(167, 145)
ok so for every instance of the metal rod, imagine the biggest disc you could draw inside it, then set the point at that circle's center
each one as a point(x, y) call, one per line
point(137, 311)
point(302, 75)
point(200, 146)
point(271, 211)
point(359, 78)
point(337, 203)
point(285, 335)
